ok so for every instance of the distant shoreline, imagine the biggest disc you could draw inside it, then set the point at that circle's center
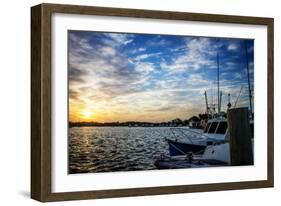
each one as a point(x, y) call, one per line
point(130, 126)
point(174, 123)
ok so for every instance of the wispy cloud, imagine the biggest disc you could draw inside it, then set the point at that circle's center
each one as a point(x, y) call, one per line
point(232, 47)
point(145, 56)
point(197, 53)
point(119, 39)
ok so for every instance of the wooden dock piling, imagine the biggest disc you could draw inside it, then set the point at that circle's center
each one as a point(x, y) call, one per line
point(240, 136)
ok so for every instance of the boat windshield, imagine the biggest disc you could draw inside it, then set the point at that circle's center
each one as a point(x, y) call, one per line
point(207, 127)
point(222, 128)
point(213, 127)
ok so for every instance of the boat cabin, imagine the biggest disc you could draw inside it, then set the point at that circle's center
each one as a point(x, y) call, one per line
point(216, 127)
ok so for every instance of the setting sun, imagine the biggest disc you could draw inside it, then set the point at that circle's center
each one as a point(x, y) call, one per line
point(86, 114)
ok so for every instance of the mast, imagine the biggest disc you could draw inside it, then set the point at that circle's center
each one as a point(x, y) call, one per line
point(220, 99)
point(206, 100)
point(218, 76)
point(248, 76)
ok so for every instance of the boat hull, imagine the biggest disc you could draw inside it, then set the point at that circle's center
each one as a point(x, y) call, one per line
point(179, 148)
point(184, 163)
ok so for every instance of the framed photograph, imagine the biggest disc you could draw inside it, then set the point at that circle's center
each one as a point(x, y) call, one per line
point(130, 102)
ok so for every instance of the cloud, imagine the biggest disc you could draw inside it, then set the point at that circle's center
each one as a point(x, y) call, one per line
point(104, 71)
point(128, 41)
point(197, 54)
point(200, 46)
point(197, 79)
point(137, 50)
point(74, 94)
point(155, 42)
point(79, 42)
point(175, 66)
point(145, 56)
point(76, 75)
point(232, 47)
point(144, 67)
point(116, 39)
point(231, 64)
point(141, 49)
point(107, 51)
point(238, 75)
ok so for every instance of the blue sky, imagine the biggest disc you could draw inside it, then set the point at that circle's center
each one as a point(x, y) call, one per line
point(149, 77)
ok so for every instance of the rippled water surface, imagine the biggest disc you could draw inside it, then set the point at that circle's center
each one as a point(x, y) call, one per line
point(108, 149)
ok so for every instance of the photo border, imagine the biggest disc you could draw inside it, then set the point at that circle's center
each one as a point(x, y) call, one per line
point(41, 116)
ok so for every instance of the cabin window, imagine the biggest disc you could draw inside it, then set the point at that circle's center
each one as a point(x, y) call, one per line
point(207, 127)
point(213, 127)
point(222, 128)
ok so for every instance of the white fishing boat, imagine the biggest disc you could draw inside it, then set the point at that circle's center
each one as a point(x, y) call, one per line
point(186, 140)
point(213, 155)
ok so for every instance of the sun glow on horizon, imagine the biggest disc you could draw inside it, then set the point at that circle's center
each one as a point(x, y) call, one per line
point(87, 114)
point(81, 115)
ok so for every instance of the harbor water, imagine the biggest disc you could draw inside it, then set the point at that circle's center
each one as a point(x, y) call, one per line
point(110, 149)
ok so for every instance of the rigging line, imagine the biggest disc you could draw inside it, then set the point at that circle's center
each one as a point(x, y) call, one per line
point(238, 96)
point(178, 149)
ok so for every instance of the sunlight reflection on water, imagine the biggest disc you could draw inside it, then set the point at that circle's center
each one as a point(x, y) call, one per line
point(108, 149)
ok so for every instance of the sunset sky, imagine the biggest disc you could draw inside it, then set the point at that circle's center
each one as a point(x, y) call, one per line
point(141, 77)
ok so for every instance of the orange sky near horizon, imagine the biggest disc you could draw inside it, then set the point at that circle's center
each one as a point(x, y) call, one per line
point(91, 112)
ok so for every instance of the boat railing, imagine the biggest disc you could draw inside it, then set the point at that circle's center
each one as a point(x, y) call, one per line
point(190, 134)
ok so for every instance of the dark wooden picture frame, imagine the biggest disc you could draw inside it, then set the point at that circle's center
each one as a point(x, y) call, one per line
point(41, 116)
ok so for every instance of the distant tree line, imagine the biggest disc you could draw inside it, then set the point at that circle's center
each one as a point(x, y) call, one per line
point(173, 123)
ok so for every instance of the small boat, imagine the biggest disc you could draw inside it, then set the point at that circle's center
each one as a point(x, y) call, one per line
point(188, 140)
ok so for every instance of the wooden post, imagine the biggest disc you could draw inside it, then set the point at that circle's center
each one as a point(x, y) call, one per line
point(240, 137)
